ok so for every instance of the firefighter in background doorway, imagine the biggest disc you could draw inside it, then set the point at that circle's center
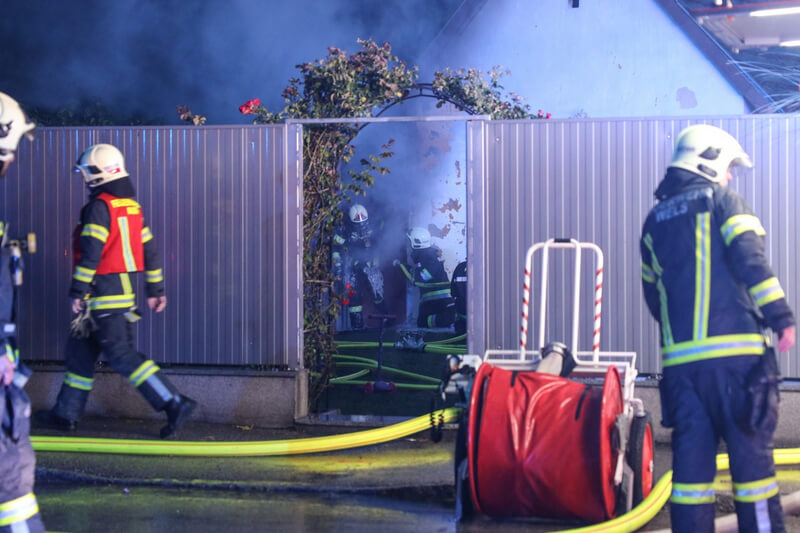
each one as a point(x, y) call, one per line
point(458, 288)
point(112, 242)
point(356, 266)
point(436, 306)
point(19, 510)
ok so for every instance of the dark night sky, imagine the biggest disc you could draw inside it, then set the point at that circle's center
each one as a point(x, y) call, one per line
point(147, 56)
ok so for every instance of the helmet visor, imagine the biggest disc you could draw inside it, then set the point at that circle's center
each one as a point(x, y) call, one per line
point(739, 172)
point(742, 160)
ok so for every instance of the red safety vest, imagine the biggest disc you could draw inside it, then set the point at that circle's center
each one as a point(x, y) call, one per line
point(123, 251)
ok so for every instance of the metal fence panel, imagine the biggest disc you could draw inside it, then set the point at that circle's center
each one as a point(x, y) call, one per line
point(225, 206)
point(593, 180)
point(215, 198)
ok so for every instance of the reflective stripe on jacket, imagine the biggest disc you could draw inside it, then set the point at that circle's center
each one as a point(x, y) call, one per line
point(123, 250)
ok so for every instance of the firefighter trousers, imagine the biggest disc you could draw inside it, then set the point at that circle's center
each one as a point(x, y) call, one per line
point(436, 314)
point(19, 512)
point(113, 338)
point(703, 402)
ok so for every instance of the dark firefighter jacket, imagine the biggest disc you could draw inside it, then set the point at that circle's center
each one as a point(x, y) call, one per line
point(429, 275)
point(113, 291)
point(705, 276)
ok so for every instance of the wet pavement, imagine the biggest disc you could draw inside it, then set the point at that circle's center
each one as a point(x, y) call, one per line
point(402, 485)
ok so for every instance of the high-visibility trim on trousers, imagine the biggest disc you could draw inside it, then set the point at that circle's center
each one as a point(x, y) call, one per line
point(78, 382)
point(18, 510)
point(145, 370)
point(692, 493)
point(754, 491)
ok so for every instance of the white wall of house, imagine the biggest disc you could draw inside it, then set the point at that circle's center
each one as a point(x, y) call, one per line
point(606, 58)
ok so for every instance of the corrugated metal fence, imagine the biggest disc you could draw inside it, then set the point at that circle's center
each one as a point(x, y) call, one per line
point(593, 180)
point(223, 204)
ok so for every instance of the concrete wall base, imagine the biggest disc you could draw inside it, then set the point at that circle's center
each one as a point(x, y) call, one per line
point(278, 399)
point(788, 431)
point(225, 396)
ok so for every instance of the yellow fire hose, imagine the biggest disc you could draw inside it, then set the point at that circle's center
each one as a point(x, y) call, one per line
point(640, 515)
point(635, 519)
point(260, 448)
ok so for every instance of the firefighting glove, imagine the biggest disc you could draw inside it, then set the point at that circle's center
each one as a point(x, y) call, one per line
point(83, 324)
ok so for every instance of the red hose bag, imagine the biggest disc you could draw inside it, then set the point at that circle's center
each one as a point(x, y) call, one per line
point(542, 445)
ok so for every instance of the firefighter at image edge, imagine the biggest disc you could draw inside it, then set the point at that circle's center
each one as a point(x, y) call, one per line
point(111, 243)
point(707, 281)
point(19, 511)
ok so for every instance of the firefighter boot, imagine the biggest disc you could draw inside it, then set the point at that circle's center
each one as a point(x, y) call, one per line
point(178, 410)
point(48, 419)
point(67, 411)
point(356, 320)
point(162, 395)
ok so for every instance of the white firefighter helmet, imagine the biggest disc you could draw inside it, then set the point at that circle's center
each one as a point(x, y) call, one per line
point(358, 214)
point(420, 238)
point(13, 125)
point(100, 164)
point(708, 151)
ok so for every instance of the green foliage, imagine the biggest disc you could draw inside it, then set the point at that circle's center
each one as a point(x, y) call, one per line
point(470, 91)
point(363, 84)
point(186, 115)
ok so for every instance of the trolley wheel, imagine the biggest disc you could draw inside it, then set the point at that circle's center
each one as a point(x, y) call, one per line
point(640, 456)
point(464, 506)
point(461, 443)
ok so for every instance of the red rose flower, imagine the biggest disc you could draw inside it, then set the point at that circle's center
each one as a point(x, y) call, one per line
point(248, 108)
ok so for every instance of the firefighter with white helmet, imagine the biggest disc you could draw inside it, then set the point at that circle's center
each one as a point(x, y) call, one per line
point(710, 152)
point(111, 244)
point(436, 305)
point(356, 266)
point(707, 282)
point(14, 124)
point(19, 510)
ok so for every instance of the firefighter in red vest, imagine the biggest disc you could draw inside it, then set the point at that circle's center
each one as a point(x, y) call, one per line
point(112, 244)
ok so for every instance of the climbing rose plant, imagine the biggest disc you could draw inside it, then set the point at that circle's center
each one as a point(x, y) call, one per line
point(362, 84)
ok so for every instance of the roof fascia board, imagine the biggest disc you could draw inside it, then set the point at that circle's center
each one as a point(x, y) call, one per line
point(751, 91)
